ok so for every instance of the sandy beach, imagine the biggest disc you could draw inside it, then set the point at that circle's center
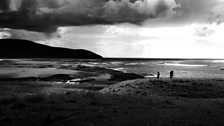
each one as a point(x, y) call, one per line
point(134, 102)
point(45, 93)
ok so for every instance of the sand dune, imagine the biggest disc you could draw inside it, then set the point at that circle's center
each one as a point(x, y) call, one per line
point(135, 102)
point(192, 88)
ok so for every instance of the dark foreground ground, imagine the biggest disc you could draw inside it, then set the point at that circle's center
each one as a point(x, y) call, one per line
point(141, 102)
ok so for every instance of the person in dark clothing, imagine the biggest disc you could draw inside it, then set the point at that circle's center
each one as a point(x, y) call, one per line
point(171, 74)
point(158, 74)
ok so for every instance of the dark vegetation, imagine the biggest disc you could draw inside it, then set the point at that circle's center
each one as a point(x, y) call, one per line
point(116, 75)
point(96, 109)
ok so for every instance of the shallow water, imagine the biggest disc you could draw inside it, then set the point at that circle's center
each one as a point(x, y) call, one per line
point(146, 67)
point(181, 68)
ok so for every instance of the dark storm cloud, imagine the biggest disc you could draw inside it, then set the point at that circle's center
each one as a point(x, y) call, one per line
point(47, 15)
point(4, 5)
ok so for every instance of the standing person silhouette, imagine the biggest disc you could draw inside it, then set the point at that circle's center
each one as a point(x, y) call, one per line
point(158, 74)
point(171, 74)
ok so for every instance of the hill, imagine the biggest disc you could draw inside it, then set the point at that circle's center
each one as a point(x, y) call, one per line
point(15, 48)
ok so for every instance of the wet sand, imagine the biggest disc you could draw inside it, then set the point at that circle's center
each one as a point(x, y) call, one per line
point(187, 102)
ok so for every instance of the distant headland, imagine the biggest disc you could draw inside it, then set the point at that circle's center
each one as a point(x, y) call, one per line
point(17, 48)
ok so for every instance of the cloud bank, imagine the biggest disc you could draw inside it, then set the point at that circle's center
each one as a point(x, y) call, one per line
point(47, 15)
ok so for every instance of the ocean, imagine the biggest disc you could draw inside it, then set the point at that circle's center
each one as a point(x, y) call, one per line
point(183, 68)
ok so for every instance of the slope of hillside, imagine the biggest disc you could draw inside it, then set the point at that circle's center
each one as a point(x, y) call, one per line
point(14, 48)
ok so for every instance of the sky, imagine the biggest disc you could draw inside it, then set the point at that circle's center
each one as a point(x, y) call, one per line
point(120, 28)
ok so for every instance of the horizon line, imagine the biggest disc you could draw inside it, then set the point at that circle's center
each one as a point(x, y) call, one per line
point(140, 58)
